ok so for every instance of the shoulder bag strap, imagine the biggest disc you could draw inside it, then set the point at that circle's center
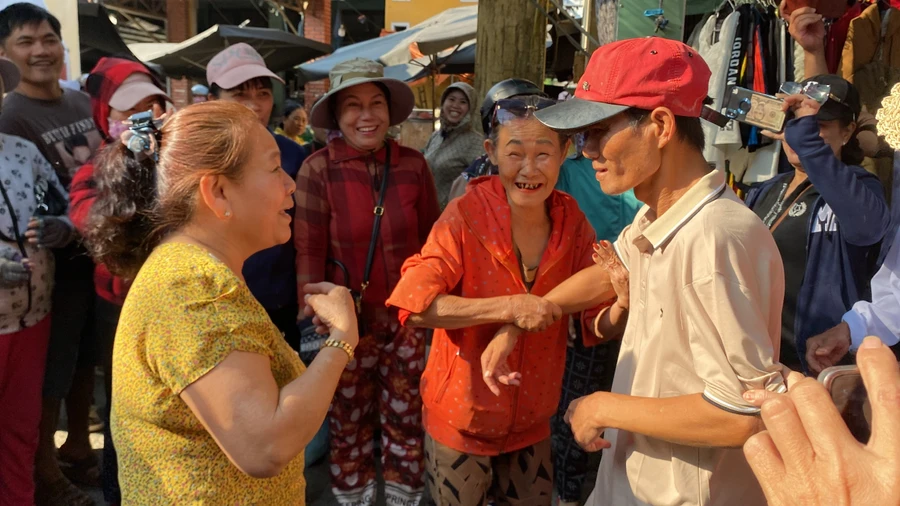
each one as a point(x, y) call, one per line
point(376, 228)
point(787, 209)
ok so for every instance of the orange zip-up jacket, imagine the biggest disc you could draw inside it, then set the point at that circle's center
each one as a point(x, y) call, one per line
point(469, 253)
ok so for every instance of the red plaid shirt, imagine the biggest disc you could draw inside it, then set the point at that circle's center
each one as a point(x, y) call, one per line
point(337, 189)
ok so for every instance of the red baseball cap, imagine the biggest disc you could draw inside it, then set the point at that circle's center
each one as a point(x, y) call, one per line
point(642, 73)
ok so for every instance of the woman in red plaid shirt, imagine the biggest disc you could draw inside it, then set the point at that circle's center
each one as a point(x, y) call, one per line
point(364, 205)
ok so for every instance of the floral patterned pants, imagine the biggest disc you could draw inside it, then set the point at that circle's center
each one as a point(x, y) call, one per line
point(380, 388)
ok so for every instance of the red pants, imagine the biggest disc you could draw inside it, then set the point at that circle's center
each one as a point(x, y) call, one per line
point(22, 358)
point(384, 375)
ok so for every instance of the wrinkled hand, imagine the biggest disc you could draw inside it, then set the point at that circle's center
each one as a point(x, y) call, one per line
point(49, 231)
point(605, 255)
point(807, 28)
point(494, 361)
point(828, 348)
point(14, 271)
point(582, 416)
point(332, 310)
point(533, 313)
point(807, 456)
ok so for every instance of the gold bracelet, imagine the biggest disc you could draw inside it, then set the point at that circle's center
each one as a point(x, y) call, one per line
point(333, 343)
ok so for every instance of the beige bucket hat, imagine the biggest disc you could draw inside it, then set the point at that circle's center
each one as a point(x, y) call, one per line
point(354, 72)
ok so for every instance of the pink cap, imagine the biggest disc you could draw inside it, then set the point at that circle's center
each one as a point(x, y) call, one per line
point(133, 89)
point(236, 65)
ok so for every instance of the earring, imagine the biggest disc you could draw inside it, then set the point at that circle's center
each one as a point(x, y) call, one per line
point(228, 214)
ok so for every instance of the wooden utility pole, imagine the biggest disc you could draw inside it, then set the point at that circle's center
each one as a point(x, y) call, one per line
point(512, 38)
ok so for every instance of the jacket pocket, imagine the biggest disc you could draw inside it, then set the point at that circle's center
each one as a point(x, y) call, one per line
point(462, 400)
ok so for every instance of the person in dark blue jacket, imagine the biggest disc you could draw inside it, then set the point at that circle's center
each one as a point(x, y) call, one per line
point(828, 216)
point(239, 74)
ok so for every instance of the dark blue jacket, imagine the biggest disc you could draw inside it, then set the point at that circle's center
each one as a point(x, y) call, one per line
point(848, 222)
point(271, 274)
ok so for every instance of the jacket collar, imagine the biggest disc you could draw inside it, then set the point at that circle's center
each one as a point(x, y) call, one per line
point(487, 214)
point(340, 151)
point(655, 232)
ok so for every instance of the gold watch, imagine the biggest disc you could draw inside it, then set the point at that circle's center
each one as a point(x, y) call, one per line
point(333, 343)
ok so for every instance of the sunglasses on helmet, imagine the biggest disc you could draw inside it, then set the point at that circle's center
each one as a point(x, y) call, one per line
point(508, 109)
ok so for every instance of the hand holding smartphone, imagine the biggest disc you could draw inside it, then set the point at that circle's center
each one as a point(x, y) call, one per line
point(845, 385)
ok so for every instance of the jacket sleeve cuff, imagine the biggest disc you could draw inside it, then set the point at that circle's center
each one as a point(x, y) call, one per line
point(857, 328)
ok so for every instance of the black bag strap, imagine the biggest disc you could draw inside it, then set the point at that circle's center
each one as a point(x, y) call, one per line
point(376, 228)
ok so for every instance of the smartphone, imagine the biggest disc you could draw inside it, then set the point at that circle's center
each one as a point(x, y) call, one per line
point(848, 393)
point(831, 9)
point(754, 108)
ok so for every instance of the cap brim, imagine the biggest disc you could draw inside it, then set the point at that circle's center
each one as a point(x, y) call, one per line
point(402, 102)
point(577, 114)
point(10, 75)
point(239, 75)
point(133, 95)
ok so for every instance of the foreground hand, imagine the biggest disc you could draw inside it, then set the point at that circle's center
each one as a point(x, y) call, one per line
point(494, 361)
point(49, 232)
point(332, 310)
point(808, 457)
point(582, 418)
point(14, 272)
point(533, 313)
point(605, 255)
point(828, 348)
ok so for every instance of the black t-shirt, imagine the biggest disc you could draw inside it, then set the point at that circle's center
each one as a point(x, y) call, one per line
point(791, 237)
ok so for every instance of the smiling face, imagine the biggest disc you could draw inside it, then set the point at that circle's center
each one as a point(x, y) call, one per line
point(454, 108)
point(38, 52)
point(262, 196)
point(528, 155)
point(363, 116)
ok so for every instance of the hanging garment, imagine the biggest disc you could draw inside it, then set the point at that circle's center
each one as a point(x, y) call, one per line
point(720, 48)
point(837, 37)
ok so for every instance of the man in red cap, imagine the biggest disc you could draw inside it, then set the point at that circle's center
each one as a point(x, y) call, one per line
point(706, 285)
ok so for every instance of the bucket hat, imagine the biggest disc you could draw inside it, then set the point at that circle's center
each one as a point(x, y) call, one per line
point(354, 72)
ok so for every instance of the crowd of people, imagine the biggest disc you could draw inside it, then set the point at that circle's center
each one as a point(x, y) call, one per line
point(586, 282)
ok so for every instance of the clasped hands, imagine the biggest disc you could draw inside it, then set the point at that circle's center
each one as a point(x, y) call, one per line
point(530, 313)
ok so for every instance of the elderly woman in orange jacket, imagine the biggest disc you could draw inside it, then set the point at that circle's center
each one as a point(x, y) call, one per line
point(490, 257)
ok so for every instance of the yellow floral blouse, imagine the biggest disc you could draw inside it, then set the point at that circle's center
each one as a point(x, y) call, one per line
point(185, 312)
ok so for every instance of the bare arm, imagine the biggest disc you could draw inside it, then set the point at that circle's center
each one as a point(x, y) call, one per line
point(588, 288)
point(260, 428)
point(611, 323)
point(451, 312)
point(686, 420)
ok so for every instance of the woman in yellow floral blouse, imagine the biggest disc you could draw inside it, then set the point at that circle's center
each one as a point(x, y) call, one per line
point(210, 404)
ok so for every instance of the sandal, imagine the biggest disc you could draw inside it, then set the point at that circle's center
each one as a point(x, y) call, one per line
point(61, 493)
point(85, 471)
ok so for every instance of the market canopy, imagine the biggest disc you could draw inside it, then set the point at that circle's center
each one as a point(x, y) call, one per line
point(437, 33)
point(281, 50)
point(97, 35)
point(372, 49)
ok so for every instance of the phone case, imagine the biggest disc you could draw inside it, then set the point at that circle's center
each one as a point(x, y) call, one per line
point(832, 9)
point(753, 108)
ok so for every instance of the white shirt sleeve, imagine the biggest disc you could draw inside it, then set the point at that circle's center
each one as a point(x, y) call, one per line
point(881, 317)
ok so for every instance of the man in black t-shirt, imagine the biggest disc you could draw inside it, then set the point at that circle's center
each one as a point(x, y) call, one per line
point(60, 123)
